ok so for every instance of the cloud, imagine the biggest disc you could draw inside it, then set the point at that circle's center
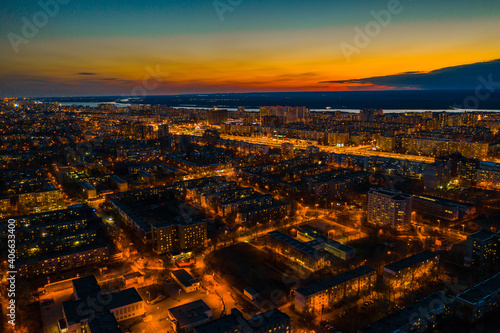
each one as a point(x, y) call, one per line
point(87, 73)
point(456, 77)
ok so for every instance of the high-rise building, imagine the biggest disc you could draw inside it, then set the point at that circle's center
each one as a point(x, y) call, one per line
point(482, 249)
point(488, 175)
point(467, 171)
point(168, 236)
point(389, 208)
point(216, 116)
point(387, 143)
point(369, 114)
point(162, 130)
point(312, 151)
point(436, 175)
point(287, 149)
point(285, 113)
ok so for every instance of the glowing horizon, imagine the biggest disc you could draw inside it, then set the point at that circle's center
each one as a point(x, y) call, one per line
point(106, 49)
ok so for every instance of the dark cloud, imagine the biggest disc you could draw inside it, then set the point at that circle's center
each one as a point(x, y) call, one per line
point(87, 73)
point(457, 77)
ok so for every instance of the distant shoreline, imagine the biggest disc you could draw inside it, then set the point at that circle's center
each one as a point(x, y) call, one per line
point(387, 100)
point(95, 104)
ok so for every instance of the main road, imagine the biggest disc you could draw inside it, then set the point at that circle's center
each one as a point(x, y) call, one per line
point(366, 150)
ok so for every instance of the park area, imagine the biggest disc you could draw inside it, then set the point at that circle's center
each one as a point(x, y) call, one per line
point(243, 265)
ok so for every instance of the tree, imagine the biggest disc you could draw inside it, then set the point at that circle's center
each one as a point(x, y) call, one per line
point(210, 137)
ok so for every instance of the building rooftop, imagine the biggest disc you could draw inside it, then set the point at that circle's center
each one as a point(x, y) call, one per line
point(117, 179)
point(264, 207)
point(87, 186)
point(86, 286)
point(190, 313)
point(59, 254)
point(123, 298)
point(410, 261)
point(184, 277)
point(481, 291)
point(253, 197)
point(483, 234)
point(132, 214)
point(267, 320)
point(334, 281)
point(72, 312)
point(251, 291)
point(104, 322)
point(326, 240)
point(167, 224)
point(226, 324)
point(394, 194)
point(132, 275)
point(399, 319)
point(235, 322)
point(303, 247)
point(443, 202)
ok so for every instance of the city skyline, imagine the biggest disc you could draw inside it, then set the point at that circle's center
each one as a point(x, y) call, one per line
point(67, 48)
point(247, 166)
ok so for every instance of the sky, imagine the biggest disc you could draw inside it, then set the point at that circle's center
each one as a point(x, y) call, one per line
point(127, 47)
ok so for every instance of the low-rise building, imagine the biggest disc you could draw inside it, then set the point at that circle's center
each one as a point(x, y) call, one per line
point(250, 293)
point(273, 212)
point(273, 321)
point(402, 273)
point(185, 280)
point(427, 206)
point(479, 300)
point(118, 183)
point(187, 316)
point(89, 191)
point(115, 307)
point(303, 254)
point(61, 261)
point(326, 293)
point(339, 250)
point(417, 317)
